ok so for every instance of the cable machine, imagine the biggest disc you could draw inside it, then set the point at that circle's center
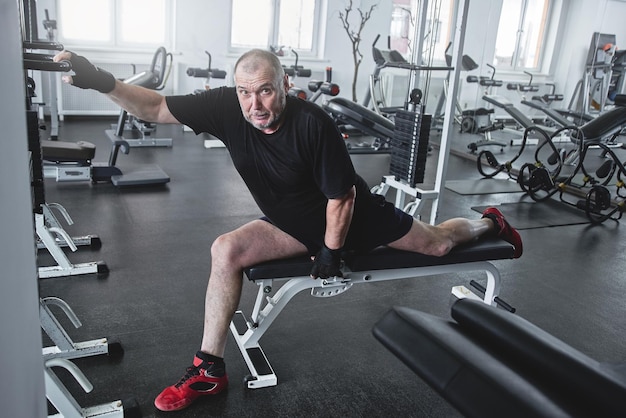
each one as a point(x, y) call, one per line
point(404, 186)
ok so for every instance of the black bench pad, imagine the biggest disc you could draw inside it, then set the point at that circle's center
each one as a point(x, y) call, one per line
point(361, 117)
point(526, 345)
point(383, 258)
point(503, 103)
point(67, 151)
point(493, 363)
point(604, 124)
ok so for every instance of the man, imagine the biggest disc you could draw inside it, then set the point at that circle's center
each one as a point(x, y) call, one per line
point(294, 161)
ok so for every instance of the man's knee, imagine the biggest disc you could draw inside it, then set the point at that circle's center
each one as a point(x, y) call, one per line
point(226, 248)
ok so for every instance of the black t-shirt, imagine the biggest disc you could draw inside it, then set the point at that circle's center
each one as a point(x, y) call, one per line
point(291, 173)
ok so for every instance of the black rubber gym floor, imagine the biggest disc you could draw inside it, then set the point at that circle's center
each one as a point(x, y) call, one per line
point(156, 242)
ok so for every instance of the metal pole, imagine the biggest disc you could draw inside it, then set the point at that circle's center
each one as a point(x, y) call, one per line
point(444, 148)
point(418, 44)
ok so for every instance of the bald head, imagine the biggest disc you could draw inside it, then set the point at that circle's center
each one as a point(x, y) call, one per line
point(257, 60)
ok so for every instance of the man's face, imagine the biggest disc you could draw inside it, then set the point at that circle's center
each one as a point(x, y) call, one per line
point(262, 101)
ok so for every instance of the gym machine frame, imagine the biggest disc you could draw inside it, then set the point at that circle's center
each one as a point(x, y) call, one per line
point(48, 230)
point(402, 189)
point(45, 225)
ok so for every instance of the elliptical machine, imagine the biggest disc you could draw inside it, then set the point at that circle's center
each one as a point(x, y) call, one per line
point(467, 64)
point(389, 58)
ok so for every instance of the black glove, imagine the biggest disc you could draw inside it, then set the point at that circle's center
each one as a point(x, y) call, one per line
point(88, 76)
point(327, 263)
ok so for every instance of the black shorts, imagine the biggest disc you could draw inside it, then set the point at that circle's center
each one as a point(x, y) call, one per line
point(375, 222)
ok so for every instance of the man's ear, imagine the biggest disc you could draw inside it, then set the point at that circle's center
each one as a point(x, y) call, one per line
point(286, 83)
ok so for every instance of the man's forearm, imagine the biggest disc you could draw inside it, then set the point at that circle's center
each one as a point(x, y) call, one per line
point(338, 218)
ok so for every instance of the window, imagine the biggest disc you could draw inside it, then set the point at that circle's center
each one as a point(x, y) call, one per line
point(438, 23)
point(521, 33)
point(115, 23)
point(264, 23)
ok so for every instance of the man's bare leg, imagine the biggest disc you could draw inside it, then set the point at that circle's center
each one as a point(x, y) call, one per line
point(250, 244)
point(440, 239)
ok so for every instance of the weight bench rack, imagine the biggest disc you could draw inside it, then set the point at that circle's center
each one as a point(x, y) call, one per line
point(381, 264)
point(517, 115)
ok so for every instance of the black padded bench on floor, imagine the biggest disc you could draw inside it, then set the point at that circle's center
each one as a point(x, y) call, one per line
point(61, 151)
point(492, 363)
point(380, 264)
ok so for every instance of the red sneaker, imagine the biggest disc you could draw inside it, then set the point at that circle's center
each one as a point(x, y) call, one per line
point(504, 230)
point(205, 377)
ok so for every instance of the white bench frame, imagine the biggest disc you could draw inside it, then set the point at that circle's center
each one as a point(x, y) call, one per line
point(247, 331)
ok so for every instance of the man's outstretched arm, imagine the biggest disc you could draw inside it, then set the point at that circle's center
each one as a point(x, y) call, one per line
point(139, 101)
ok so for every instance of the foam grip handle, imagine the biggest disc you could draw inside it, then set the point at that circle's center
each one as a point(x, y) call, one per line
point(304, 72)
point(46, 65)
point(218, 73)
point(553, 97)
point(330, 89)
point(197, 72)
point(605, 169)
point(314, 85)
point(297, 92)
point(51, 46)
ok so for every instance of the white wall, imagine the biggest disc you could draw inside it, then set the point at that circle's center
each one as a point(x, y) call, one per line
point(204, 25)
point(210, 21)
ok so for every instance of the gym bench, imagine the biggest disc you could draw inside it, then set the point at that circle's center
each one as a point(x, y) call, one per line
point(491, 363)
point(381, 264)
point(517, 115)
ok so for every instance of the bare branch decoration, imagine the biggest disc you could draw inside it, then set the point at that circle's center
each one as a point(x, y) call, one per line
point(355, 38)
